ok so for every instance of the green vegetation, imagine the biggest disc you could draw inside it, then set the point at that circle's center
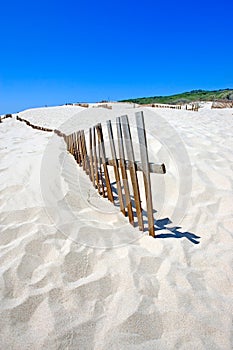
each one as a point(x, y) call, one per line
point(186, 97)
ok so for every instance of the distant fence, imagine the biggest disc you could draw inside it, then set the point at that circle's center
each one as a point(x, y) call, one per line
point(188, 107)
point(193, 107)
point(160, 106)
point(222, 104)
point(103, 105)
point(95, 163)
point(86, 105)
point(33, 126)
point(5, 117)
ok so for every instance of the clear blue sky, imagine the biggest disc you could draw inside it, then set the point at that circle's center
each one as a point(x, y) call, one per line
point(53, 52)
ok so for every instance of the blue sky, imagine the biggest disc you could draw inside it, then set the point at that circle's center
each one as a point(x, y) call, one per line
point(53, 52)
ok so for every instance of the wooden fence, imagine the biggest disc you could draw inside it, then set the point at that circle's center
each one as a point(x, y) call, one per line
point(155, 105)
point(33, 126)
point(193, 107)
point(92, 158)
point(86, 105)
point(5, 117)
point(103, 105)
point(222, 104)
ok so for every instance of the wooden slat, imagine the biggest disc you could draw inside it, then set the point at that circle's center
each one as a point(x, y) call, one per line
point(74, 145)
point(133, 174)
point(103, 155)
point(100, 162)
point(85, 157)
point(97, 180)
point(69, 143)
point(78, 150)
point(92, 177)
point(154, 168)
point(81, 149)
point(121, 163)
point(145, 169)
point(115, 166)
point(77, 147)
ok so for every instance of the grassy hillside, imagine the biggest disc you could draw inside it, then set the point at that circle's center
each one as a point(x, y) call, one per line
point(186, 97)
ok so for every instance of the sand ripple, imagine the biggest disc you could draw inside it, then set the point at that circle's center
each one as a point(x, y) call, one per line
point(174, 292)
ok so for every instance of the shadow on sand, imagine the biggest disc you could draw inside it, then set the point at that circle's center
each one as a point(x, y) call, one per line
point(161, 224)
point(174, 231)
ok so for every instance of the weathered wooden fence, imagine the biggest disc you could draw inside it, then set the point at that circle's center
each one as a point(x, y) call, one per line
point(193, 107)
point(222, 104)
point(5, 117)
point(92, 157)
point(33, 125)
point(163, 106)
point(103, 105)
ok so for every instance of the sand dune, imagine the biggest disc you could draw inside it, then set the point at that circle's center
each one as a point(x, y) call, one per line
point(75, 275)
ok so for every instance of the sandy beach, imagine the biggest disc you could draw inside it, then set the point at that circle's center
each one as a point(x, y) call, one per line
point(74, 274)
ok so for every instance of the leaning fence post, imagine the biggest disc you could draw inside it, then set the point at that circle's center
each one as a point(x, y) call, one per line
point(145, 169)
point(80, 149)
point(99, 162)
point(68, 140)
point(132, 169)
point(95, 161)
point(74, 151)
point(85, 159)
point(123, 171)
point(103, 155)
point(92, 177)
point(77, 148)
point(115, 166)
point(72, 144)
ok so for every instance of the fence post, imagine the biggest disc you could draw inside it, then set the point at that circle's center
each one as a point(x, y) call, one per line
point(145, 169)
point(85, 158)
point(96, 162)
point(80, 149)
point(124, 172)
point(133, 174)
point(74, 146)
point(115, 166)
point(92, 177)
point(77, 146)
point(100, 162)
point(103, 156)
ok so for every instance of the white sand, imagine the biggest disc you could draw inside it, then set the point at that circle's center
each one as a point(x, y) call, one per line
point(61, 289)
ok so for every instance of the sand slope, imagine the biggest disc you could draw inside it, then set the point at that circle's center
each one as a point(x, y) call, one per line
point(61, 289)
